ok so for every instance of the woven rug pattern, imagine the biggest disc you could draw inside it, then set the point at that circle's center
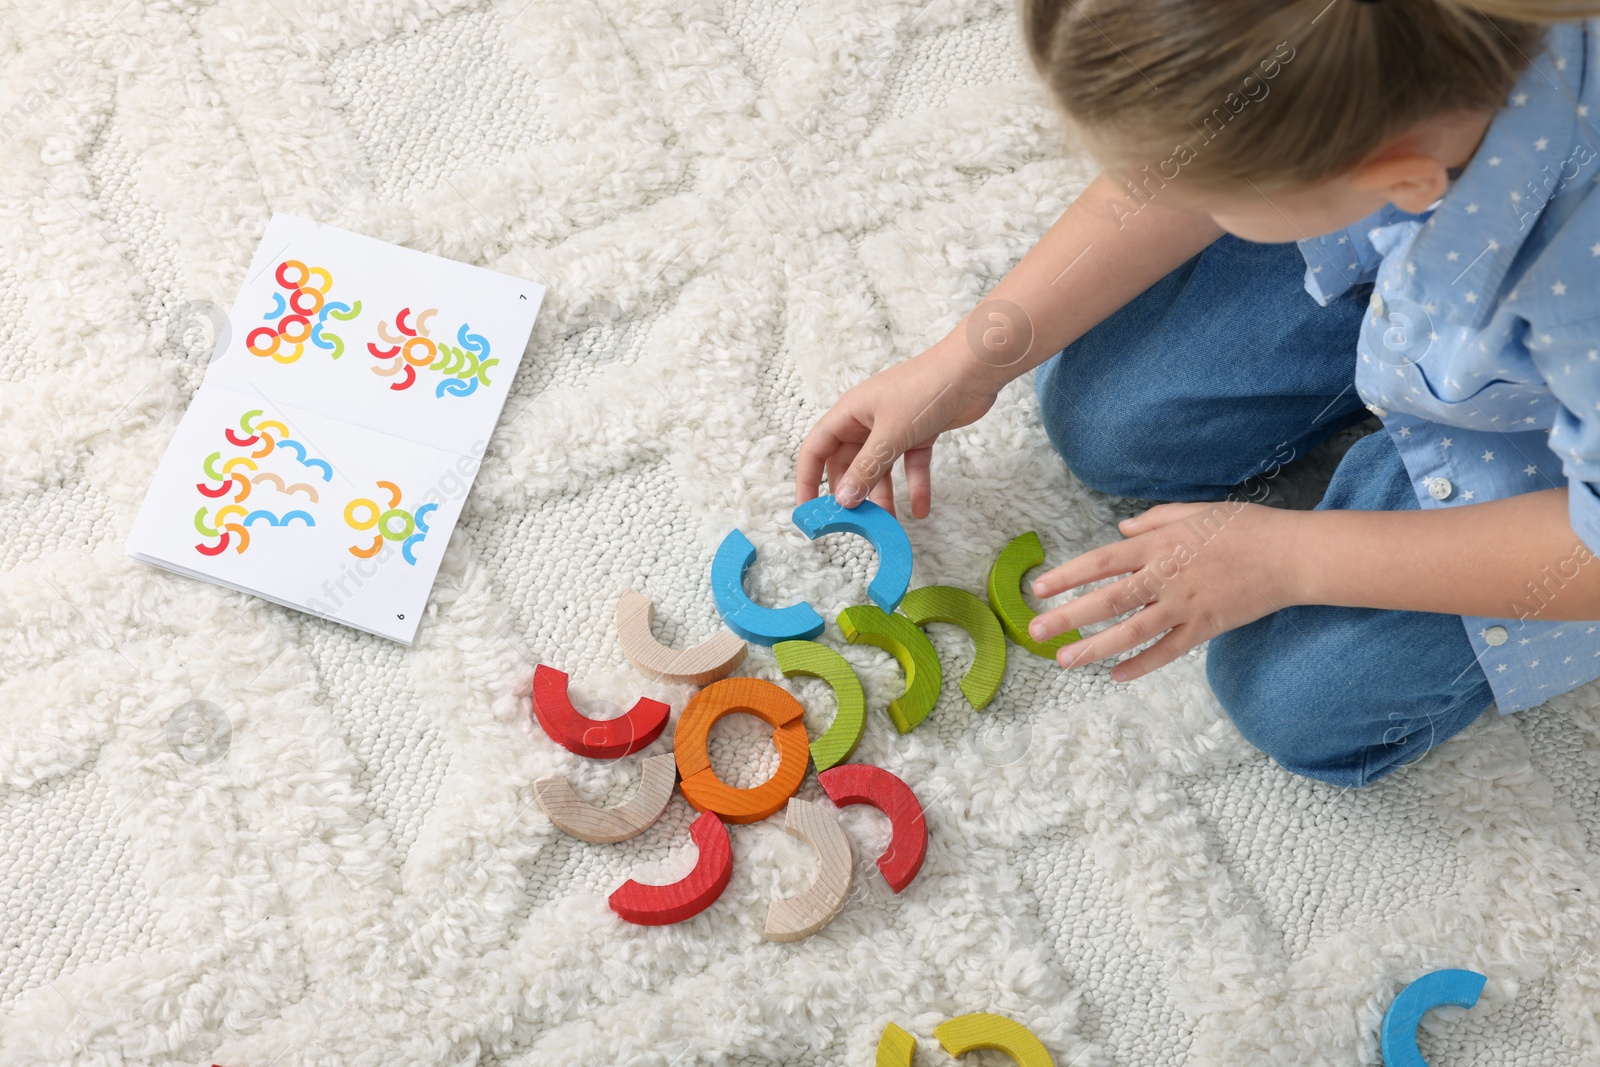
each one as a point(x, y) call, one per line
point(237, 834)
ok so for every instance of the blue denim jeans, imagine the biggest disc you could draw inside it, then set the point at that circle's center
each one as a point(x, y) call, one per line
point(1225, 370)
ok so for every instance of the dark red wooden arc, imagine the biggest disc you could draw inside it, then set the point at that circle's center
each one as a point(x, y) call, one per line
point(662, 905)
point(595, 738)
point(862, 783)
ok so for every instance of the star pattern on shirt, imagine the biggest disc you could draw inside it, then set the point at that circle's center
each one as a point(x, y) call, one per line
point(1496, 362)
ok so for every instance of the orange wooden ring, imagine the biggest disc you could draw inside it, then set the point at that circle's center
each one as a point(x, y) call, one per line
point(749, 696)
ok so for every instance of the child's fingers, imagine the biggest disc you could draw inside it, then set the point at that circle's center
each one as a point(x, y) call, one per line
point(1107, 561)
point(871, 463)
point(1131, 632)
point(819, 446)
point(1163, 515)
point(883, 493)
point(1179, 640)
point(839, 463)
point(1116, 599)
point(919, 486)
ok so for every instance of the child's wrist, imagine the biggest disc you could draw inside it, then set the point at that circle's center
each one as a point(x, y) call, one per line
point(985, 351)
point(1302, 577)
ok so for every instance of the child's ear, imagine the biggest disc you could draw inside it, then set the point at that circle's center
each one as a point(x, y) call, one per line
point(1410, 181)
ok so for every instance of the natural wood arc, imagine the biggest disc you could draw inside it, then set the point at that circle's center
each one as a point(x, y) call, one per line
point(713, 658)
point(796, 917)
point(583, 820)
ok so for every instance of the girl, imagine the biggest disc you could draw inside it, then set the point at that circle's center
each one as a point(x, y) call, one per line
point(1433, 163)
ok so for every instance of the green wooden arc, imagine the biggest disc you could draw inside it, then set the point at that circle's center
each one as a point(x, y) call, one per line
point(867, 623)
point(837, 743)
point(1005, 594)
point(946, 603)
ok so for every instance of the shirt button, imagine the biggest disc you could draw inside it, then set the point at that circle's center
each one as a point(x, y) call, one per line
point(1376, 410)
point(1376, 304)
point(1495, 635)
point(1440, 488)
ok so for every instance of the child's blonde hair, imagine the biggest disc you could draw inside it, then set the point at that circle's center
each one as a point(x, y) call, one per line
point(1274, 92)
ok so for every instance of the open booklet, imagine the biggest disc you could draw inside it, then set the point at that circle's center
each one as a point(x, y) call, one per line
point(326, 457)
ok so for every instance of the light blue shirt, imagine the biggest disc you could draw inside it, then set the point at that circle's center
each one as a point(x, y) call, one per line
point(1481, 350)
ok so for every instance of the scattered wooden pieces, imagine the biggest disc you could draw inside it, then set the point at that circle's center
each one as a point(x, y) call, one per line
point(585, 821)
point(750, 696)
point(796, 917)
point(946, 603)
point(868, 624)
point(895, 1047)
point(713, 658)
point(965, 1033)
point(595, 738)
point(824, 514)
point(862, 783)
point(752, 621)
point(661, 905)
point(1005, 594)
point(838, 743)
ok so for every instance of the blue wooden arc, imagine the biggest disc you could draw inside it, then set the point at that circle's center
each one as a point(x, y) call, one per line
point(824, 514)
point(752, 621)
point(1458, 988)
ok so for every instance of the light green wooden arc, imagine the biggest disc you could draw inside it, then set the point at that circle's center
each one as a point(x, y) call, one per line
point(946, 603)
point(867, 623)
point(1005, 595)
point(837, 743)
point(895, 1047)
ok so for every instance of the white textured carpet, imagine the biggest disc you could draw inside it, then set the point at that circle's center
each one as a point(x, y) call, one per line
point(740, 208)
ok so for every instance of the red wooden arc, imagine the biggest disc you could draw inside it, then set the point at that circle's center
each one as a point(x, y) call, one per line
point(595, 738)
point(862, 783)
point(662, 905)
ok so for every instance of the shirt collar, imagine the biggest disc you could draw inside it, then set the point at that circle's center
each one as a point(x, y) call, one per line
point(1458, 261)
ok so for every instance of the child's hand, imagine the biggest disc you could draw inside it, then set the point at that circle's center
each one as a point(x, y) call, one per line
point(898, 411)
point(1194, 571)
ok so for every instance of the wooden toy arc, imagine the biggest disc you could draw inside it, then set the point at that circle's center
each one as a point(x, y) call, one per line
point(946, 603)
point(796, 917)
point(965, 1033)
point(1433, 990)
point(824, 514)
point(713, 658)
point(869, 624)
point(752, 621)
point(576, 816)
point(862, 783)
point(895, 1047)
point(1005, 594)
point(595, 738)
point(662, 905)
point(837, 743)
point(751, 696)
